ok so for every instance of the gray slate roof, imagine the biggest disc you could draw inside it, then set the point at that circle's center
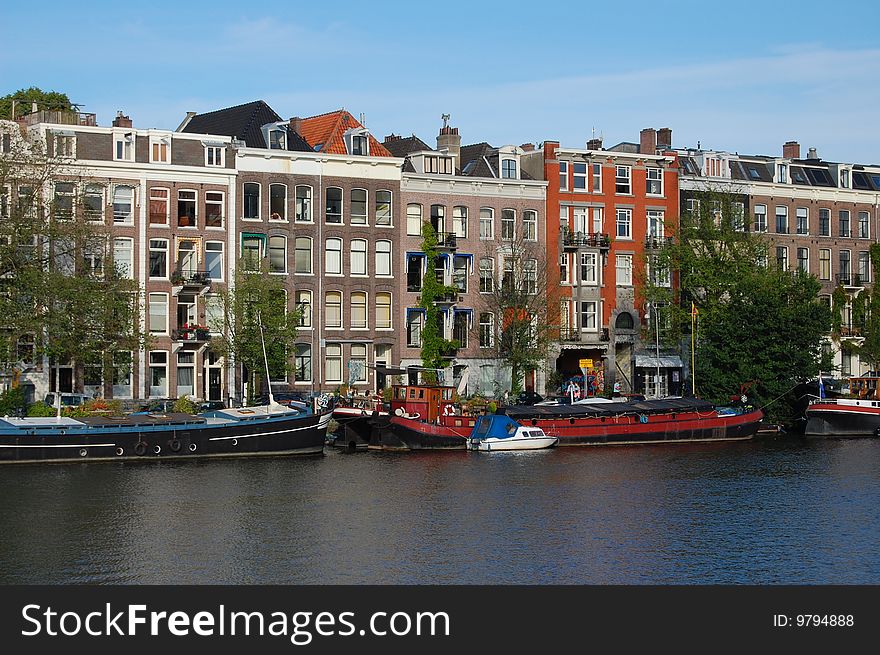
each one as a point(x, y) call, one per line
point(244, 122)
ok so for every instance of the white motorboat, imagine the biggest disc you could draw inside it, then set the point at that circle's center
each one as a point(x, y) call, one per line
point(495, 432)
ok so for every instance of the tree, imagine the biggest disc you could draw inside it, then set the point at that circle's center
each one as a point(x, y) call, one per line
point(61, 294)
point(257, 302)
point(24, 99)
point(866, 316)
point(759, 325)
point(523, 298)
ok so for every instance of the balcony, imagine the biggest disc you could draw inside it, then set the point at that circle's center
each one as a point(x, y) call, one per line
point(61, 117)
point(849, 281)
point(190, 281)
point(657, 242)
point(446, 241)
point(572, 241)
point(447, 298)
point(576, 335)
point(197, 334)
point(850, 332)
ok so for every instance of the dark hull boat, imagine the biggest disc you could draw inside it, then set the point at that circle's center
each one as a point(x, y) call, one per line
point(451, 434)
point(843, 418)
point(247, 431)
point(671, 420)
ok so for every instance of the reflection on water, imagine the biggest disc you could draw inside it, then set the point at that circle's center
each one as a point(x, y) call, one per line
point(762, 513)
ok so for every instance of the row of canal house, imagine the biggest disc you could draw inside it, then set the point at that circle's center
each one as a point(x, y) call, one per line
point(337, 214)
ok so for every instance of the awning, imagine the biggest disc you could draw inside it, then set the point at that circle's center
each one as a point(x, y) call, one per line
point(666, 361)
point(387, 370)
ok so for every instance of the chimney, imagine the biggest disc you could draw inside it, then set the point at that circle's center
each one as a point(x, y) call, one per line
point(450, 141)
point(791, 150)
point(392, 137)
point(594, 144)
point(648, 141)
point(528, 147)
point(664, 138)
point(121, 121)
point(295, 124)
point(812, 154)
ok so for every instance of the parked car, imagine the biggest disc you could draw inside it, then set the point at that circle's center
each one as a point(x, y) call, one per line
point(67, 399)
point(528, 398)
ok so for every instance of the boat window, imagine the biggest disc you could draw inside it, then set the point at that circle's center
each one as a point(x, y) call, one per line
point(412, 393)
point(421, 393)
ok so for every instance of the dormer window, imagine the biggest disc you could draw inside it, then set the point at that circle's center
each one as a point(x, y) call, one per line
point(160, 150)
point(123, 146)
point(277, 139)
point(844, 178)
point(508, 169)
point(438, 164)
point(360, 145)
point(782, 173)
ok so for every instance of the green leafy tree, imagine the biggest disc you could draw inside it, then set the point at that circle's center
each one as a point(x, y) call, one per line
point(257, 299)
point(759, 327)
point(24, 99)
point(866, 316)
point(436, 350)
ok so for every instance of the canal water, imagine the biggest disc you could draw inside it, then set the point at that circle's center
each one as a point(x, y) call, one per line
point(763, 512)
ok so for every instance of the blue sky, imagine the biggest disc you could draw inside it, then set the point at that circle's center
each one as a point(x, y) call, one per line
point(743, 78)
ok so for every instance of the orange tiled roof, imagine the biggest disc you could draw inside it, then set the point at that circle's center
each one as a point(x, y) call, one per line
point(326, 131)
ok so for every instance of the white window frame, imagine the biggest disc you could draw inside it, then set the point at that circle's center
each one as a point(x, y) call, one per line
point(626, 215)
point(624, 270)
point(215, 156)
point(363, 219)
point(332, 355)
point(383, 259)
point(487, 218)
point(590, 310)
point(359, 314)
point(218, 200)
point(276, 217)
point(653, 174)
point(296, 256)
point(214, 251)
point(459, 221)
point(413, 219)
point(381, 322)
point(579, 179)
point(276, 238)
point(328, 325)
point(563, 176)
point(129, 218)
point(383, 221)
point(167, 251)
point(333, 266)
point(244, 216)
point(303, 203)
point(157, 198)
point(157, 300)
point(304, 304)
point(508, 224)
point(358, 266)
point(530, 225)
point(624, 179)
point(124, 145)
point(128, 272)
point(163, 144)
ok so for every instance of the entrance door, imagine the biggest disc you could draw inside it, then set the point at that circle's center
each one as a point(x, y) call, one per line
point(215, 385)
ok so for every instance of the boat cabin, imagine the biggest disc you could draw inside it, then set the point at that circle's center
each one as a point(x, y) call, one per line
point(428, 402)
point(865, 386)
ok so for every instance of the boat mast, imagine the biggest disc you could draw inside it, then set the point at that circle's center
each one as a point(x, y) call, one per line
point(266, 363)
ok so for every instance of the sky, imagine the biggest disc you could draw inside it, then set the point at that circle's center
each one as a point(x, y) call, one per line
point(743, 77)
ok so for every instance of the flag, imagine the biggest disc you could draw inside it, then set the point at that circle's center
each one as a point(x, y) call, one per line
point(693, 310)
point(821, 387)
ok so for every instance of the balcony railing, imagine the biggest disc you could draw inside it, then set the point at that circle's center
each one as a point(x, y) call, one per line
point(62, 117)
point(195, 334)
point(574, 240)
point(656, 242)
point(190, 278)
point(446, 241)
point(848, 280)
point(576, 335)
point(850, 331)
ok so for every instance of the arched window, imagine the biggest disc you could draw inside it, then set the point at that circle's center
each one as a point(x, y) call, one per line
point(624, 321)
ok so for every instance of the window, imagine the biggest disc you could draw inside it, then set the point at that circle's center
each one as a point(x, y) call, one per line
point(358, 207)
point(864, 222)
point(304, 305)
point(187, 256)
point(302, 363)
point(333, 213)
point(508, 279)
point(383, 208)
point(333, 362)
point(158, 206)
point(580, 176)
point(564, 268)
point(460, 325)
point(530, 276)
point(277, 139)
point(158, 313)
point(414, 266)
point(530, 225)
point(213, 209)
point(624, 270)
point(460, 272)
point(782, 220)
point(214, 259)
point(844, 178)
point(159, 150)
point(654, 181)
point(487, 330)
point(438, 218)
point(803, 259)
point(93, 258)
point(782, 258)
point(692, 208)
point(252, 250)
point(588, 316)
point(65, 145)
point(655, 223)
point(333, 309)
point(760, 218)
point(186, 360)
point(508, 169)
point(782, 173)
point(186, 208)
point(624, 223)
point(358, 310)
point(487, 223)
point(123, 202)
point(459, 221)
point(383, 257)
point(487, 275)
point(4, 201)
point(360, 145)
point(277, 254)
point(563, 175)
point(302, 255)
point(357, 365)
point(508, 224)
point(588, 267)
point(414, 219)
point(383, 311)
point(597, 178)
point(123, 146)
point(738, 216)
point(303, 204)
point(62, 204)
point(251, 200)
point(333, 256)
point(123, 258)
point(658, 273)
point(844, 277)
point(358, 261)
point(843, 215)
point(622, 181)
point(864, 274)
point(277, 202)
point(802, 217)
point(215, 156)
point(825, 222)
point(442, 165)
point(825, 264)
point(415, 321)
point(158, 374)
point(158, 258)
